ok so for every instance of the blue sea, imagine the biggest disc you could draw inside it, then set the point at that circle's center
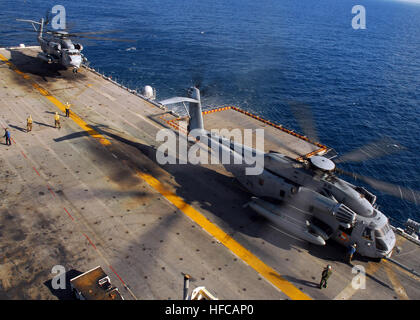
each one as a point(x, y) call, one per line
point(258, 55)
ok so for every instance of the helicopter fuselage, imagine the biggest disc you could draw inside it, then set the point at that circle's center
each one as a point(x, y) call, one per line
point(310, 203)
point(324, 205)
point(62, 51)
point(305, 199)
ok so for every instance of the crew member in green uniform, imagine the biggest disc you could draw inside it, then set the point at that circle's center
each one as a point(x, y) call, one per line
point(325, 275)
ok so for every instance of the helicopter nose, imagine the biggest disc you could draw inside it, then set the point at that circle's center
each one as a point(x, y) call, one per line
point(386, 245)
point(76, 61)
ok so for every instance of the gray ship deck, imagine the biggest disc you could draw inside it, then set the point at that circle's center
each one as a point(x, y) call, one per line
point(91, 194)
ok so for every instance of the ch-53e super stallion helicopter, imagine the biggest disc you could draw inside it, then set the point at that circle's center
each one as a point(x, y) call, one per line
point(58, 46)
point(306, 198)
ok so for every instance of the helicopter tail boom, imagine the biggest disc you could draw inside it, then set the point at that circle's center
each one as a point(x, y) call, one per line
point(194, 109)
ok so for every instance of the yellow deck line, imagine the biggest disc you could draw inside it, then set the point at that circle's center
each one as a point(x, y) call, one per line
point(398, 288)
point(254, 262)
point(264, 270)
point(81, 123)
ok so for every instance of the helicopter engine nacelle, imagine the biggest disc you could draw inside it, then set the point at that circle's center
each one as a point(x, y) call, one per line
point(325, 209)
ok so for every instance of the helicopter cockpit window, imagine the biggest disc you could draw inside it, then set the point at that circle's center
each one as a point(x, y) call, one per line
point(383, 231)
point(381, 245)
point(367, 234)
point(379, 233)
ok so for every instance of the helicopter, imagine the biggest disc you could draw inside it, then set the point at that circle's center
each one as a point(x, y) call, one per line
point(306, 198)
point(58, 46)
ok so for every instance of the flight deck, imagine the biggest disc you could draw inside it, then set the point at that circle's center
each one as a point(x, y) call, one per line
point(92, 194)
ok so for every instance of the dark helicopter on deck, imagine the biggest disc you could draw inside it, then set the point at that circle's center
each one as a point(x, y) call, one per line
point(306, 198)
point(58, 45)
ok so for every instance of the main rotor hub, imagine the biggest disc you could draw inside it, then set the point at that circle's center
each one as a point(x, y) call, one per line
point(322, 163)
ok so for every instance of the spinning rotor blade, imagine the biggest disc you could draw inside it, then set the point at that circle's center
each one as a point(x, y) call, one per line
point(388, 188)
point(373, 150)
point(77, 34)
point(101, 38)
point(304, 117)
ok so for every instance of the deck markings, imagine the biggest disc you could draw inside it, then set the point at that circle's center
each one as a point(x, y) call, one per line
point(81, 123)
point(396, 285)
point(91, 243)
point(106, 95)
point(399, 242)
point(117, 275)
point(82, 222)
point(52, 192)
point(254, 262)
point(349, 290)
point(372, 268)
point(71, 217)
point(264, 270)
point(36, 171)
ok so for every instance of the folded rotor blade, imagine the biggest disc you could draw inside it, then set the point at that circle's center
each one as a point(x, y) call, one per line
point(76, 34)
point(108, 39)
point(178, 100)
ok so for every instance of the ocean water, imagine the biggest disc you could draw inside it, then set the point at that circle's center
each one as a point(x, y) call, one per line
point(258, 55)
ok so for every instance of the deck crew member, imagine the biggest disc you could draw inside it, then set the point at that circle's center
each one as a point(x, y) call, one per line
point(7, 135)
point(29, 124)
point(57, 121)
point(68, 109)
point(325, 275)
point(351, 252)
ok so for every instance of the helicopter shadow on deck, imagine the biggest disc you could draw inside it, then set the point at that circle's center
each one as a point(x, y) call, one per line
point(219, 194)
point(222, 196)
point(34, 66)
point(194, 188)
point(66, 292)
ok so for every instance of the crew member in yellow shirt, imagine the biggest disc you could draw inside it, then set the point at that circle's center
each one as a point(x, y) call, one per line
point(57, 121)
point(68, 110)
point(29, 124)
